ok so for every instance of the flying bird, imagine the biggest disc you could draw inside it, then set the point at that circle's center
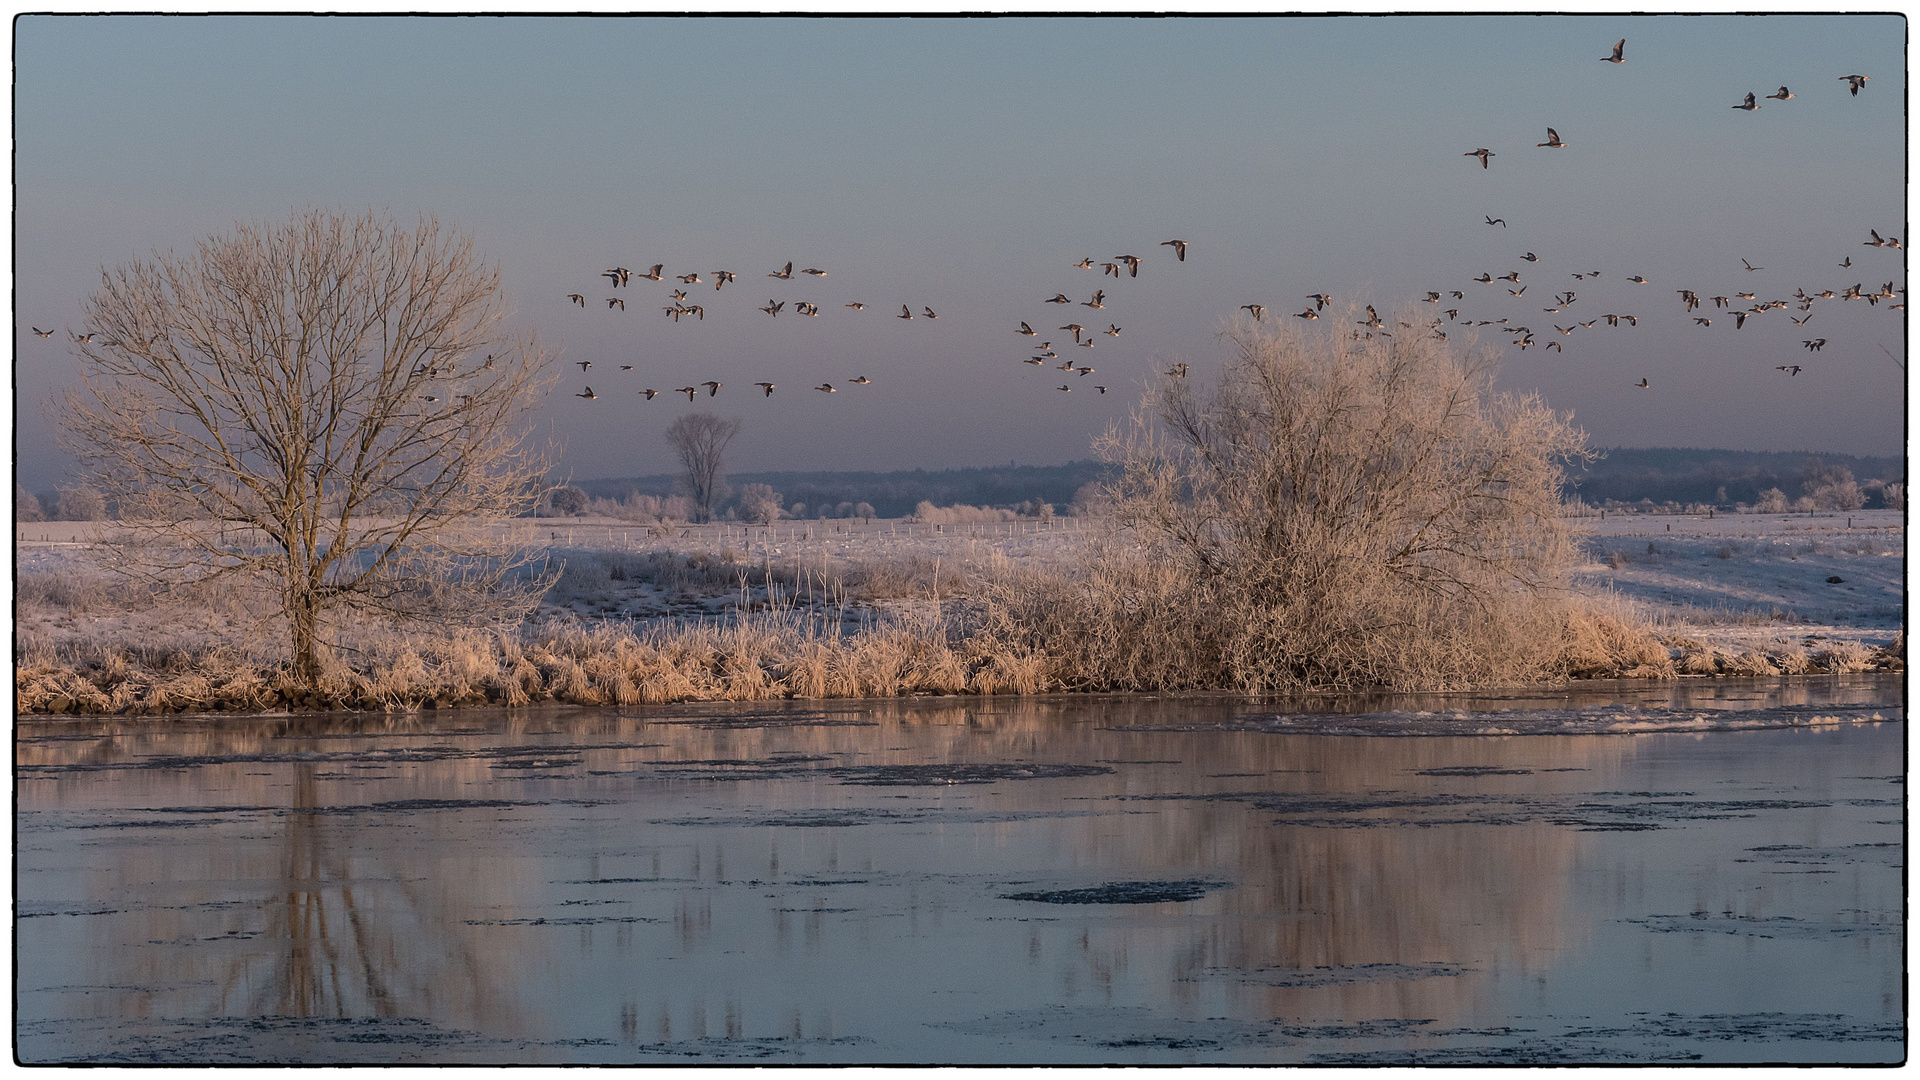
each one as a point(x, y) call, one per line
point(1750, 268)
point(1531, 257)
point(928, 312)
point(1491, 220)
point(577, 298)
point(1111, 330)
point(1076, 328)
point(1483, 154)
point(614, 301)
point(39, 332)
point(1637, 279)
point(1307, 314)
point(905, 312)
point(721, 277)
point(767, 387)
point(584, 364)
point(713, 387)
point(815, 273)
point(690, 279)
point(1102, 389)
point(1855, 82)
point(1319, 300)
point(654, 274)
point(1782, 95)
point(1619, 53)
point(1084, 264)
point(860, 380)
point(1749, 105)
point(1133, 264)
point(1097, 302)
point(1848, 261)
point(784, 273)
point(825, 388)
point(1026, 331)
point(773, 307)
point(687, 390)
point(651, 393)
point(1259, 311)
point(1815, 344)
point(1553, 140)
point(1790, 369)
point(589, 395)
point(1065, 387)
point(1642, 384)
point(857, 306)
point(1179, 248)
point(1059, 298)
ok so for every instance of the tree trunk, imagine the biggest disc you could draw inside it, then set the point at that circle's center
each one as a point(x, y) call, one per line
point(303, 620)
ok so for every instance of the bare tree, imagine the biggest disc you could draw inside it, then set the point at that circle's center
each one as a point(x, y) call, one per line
point(80, 502)
point(330, 403)
point(700, 441)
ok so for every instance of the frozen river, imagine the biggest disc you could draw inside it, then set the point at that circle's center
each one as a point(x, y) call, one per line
point(1709, 871)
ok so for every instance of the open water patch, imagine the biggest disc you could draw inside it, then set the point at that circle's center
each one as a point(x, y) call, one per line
point(1125, 892)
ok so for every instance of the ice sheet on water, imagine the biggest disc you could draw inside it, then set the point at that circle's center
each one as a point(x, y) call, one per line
point(1620, 719)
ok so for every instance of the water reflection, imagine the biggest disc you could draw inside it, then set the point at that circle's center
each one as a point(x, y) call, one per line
point(809, 881)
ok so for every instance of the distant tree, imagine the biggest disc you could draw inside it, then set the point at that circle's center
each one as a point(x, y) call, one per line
point(863, 511)
point(700, 441)
point(1895, 496)
point(328, 403)
point(1832, 487)
point(797, 510)
point(760, 504)
point(80, 503)
point(26, 505)
point(1771, 501)
point(568, 501)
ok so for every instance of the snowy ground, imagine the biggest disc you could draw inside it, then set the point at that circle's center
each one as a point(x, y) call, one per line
point(1735, 581)
point(1754, 580)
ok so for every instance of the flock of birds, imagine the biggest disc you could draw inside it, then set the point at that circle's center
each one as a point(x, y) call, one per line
point(1563, 302)
point(1741, 305)
point(1043, 352)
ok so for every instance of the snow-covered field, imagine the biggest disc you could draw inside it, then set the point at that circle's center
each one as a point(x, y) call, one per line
point(1733, 581)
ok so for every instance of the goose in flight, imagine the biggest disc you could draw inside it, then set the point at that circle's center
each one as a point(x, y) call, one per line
point(860, 380)
point(1783, 95)
point(905, 312)
point(39, 332)
point(687, 390)
point(1319, 300)
point(1637, 279)
point(1076, 328)
point(713, 387)
point(1531, 257)
point(1035, 361)
point(1432, 297)
point(614, 301)
point(654, 274)
point(1619, 53)
point(857, 306)
point(584, 364)
point(1066, 365)
point(1698, 320)
point(825, 388)
point(615, 275)
point(589, 394)
point(1739, 320)
point(1750, 268)
point(1748, 105)
point(1877, 241)
point(1084, 371)
point(1642, 384)
point(721, 277)
point(773, 307)
point(1484, 278)
point(1800, 321)
point(1815, 344)
point(1307, 314)
point(577, 298)
point(1500, 221)
point(1083, 264)
point(1790, 369)
point(1258, 311)
point(1111, 330)
point(1133, 264)
point(815, 273)
point(1554, 345)
point(1087, 344)
point(1026, 331)
point(1521, 291)
point(1102, 389)
point(766, 387)
point(1065, 387)
point(1179, 248)
point(677, 294)
point(1110, 268)
point(1855, 82)
point(928, 312)
point(1059, 298)
point(626, 367)
point(1511, 275)
point(1483, 154)
point(1098, 300)
point(1178, 371)
point(1553, 141)
point(690, 279)
point(1847, 263)
point(783, 273)
point(1373, 318)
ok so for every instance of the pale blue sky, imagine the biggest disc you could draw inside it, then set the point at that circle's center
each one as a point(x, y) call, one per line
point(967, 163)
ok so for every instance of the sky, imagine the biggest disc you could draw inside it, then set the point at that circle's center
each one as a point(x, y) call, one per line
point(966, 165)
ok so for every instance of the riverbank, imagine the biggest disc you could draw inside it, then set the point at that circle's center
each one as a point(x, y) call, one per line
point(833, 609)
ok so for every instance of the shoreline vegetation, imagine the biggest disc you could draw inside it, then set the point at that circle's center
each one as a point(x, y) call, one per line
point(938, 614)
